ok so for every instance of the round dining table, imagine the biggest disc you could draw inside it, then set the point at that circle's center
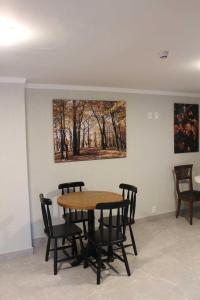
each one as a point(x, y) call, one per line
point(87, 200)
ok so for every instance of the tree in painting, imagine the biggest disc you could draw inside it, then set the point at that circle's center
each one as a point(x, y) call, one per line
point(86, 130)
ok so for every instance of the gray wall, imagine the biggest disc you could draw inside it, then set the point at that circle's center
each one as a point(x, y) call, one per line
point(15, 232)
point(149, 163)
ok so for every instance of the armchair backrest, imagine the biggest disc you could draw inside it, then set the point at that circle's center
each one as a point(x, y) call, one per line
point(183, 174)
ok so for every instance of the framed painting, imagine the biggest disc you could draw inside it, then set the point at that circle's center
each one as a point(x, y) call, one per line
point(88, 129)
point(186, 128)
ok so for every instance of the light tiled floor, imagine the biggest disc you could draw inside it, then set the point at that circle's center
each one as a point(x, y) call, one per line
point(167, 267)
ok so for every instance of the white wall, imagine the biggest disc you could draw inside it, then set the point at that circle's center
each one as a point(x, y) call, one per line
point(148, 166)
point(14, 199)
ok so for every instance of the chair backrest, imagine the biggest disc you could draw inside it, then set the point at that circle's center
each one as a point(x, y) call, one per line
point(68, 187)
point(183, 174)
point(129, 193)
point(46, 214)
point(109, 209)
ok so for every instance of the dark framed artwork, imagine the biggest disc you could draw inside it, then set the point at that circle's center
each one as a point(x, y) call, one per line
point(186, 128)
point(88, 129)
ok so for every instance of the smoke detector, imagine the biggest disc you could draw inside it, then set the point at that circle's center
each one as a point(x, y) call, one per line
point(163, 54)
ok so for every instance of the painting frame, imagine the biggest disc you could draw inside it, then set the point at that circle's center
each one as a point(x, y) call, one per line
point(88, 129)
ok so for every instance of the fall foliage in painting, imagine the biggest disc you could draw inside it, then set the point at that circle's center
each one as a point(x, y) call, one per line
point(86, 130)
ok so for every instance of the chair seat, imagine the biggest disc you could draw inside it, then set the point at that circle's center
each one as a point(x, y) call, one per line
point(190, 195)
point(101, 237)
point(115, 221)
point(65, 230)
point(76, 217)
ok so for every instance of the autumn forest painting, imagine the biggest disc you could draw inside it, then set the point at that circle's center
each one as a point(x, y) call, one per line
point(89, 129)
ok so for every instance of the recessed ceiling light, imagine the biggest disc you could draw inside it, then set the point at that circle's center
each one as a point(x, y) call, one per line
point(12, 32)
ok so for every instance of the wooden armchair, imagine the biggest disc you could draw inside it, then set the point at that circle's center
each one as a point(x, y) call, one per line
point(183, 175)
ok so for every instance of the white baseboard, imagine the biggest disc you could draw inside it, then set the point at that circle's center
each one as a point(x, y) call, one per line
point(39, 240)
point(11, 255)
point(156, 216)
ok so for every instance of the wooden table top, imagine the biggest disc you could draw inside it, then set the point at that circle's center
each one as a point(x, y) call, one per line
point(87, 200)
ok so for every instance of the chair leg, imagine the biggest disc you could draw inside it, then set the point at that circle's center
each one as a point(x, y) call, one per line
point(55, 257)
point(125, 260)
point(191, 212)
point(98, 265)
point(85, 230)
point(74, 247)
point(85, 264)
point(81, 242)
point(47, 249)
point(63, 239)
point(133, 240)
point(178, 208)
point(110, 253)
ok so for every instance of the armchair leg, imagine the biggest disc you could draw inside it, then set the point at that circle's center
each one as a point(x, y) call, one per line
point(178, 208)
point(191, 212)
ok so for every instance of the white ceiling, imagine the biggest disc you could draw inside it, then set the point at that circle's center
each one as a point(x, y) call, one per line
point(111, 43)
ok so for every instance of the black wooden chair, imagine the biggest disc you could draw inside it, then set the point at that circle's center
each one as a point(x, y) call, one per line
point(109, 236)
point(183, 175)
point(74, 215)
point(69, 231)
point(129, 193)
